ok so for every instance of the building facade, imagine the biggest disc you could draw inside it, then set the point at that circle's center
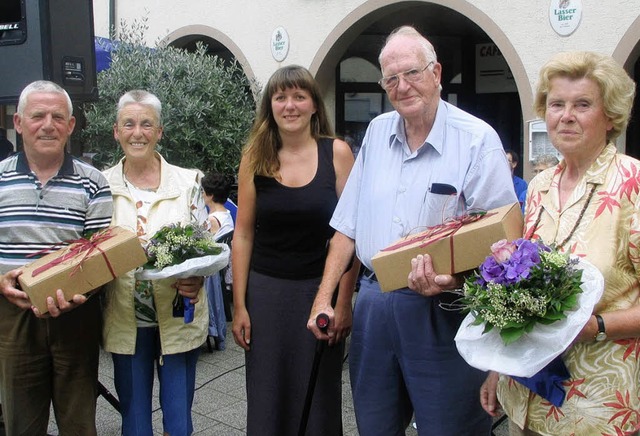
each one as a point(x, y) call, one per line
point(490, 51)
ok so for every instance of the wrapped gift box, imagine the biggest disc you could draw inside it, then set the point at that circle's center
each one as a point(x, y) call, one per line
point(82, 266)
point(454, 247)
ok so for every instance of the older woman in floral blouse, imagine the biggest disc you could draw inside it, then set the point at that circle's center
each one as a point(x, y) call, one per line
point(588, 206)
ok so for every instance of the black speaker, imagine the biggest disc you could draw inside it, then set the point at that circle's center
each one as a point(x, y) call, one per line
point(47, 40)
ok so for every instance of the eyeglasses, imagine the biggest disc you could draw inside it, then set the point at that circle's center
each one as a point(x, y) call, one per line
point(413, 75)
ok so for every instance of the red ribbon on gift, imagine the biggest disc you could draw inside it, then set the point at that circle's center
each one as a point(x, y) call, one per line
point(76, 248)
point(441, 231)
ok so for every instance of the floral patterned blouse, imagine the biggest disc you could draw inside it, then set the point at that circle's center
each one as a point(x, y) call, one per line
point(603, 393)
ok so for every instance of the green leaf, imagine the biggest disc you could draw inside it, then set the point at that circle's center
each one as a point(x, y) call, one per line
point(510, 335)
point(208, 103)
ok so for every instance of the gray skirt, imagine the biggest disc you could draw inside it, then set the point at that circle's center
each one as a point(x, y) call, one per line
point(278, 366)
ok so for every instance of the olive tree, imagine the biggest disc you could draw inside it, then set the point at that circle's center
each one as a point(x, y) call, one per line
point(207, 104)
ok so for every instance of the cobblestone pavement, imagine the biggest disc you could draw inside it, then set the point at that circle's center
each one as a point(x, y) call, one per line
point(219, 407)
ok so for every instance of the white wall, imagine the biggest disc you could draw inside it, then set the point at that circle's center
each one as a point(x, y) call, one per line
point(520, 28)
point(249, 24)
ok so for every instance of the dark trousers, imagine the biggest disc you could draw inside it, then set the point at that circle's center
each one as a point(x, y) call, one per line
point(403, 360)
point(44, 361)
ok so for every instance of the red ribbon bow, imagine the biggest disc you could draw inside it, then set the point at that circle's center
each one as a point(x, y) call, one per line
point(441, 231)
point(77, 247)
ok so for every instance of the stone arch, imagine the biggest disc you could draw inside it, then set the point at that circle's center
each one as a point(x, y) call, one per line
point(197, 31)
point(627, 53)
point(458, 12)
point(351, 25)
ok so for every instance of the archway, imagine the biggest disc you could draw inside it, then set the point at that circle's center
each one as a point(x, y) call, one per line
point(458, 41)
point(218, 44)
point(628, 54)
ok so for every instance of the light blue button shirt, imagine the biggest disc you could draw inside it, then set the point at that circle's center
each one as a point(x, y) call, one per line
point(392, 192)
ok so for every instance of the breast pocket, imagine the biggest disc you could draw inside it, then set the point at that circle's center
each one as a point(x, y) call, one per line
point(440, 203)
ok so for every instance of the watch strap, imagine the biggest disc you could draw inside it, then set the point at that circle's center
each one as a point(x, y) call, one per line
point(600, 321)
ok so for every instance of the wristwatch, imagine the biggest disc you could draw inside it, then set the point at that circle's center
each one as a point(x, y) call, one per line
point(602, 334)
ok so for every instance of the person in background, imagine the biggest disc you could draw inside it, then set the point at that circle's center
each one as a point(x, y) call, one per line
point(6, 147)
point(543, 162)
point(538, 165)
point(292, 173)
point(519, 184)
point(139, 327)
point(216, 192)
point(418, 165)
point(47, 197)
point(216, 188)
point(589, 207)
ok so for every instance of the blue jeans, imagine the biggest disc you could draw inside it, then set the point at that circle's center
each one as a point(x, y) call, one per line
point(134, 385)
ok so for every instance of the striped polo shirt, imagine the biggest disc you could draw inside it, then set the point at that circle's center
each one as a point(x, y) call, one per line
point(75, 202)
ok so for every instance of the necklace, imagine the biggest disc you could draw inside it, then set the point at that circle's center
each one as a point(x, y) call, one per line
point(575, 226)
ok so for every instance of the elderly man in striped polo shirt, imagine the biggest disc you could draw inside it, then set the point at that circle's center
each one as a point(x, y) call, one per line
point(46, 197)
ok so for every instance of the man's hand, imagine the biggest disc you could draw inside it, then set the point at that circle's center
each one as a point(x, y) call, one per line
point(343, 320)
point(318, 308)
point(190, 287)
point(59, 305)
point(8, 283)
point(425, 281)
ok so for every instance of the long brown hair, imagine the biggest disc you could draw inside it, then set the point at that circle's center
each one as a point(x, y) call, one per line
point(264, 139)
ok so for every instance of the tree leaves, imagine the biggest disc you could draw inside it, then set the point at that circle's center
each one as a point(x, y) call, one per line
point(208, 106)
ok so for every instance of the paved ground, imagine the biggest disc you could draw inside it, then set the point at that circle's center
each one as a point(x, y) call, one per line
point(220, 402)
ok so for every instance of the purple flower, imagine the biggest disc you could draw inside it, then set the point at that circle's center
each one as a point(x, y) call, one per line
point(513, 291)
point(513, 268)
point(490, 270)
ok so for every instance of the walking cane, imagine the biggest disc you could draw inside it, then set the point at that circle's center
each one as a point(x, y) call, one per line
point(322, 321)
point(111, 399)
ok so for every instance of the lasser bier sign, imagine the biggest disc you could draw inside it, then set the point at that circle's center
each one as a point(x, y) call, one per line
point(564, 16)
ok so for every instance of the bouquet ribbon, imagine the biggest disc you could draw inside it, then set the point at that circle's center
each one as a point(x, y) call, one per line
point(548, 381)
point(441, 231)
point(76, 248)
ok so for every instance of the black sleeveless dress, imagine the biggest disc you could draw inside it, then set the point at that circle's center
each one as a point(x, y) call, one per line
point(290, 244)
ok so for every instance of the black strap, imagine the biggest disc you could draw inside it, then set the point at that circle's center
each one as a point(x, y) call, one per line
point(369, 274)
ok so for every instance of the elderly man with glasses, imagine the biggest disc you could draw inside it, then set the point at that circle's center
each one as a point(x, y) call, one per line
point(418, 165)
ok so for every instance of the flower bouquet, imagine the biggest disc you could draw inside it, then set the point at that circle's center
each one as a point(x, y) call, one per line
point(180, 251)
point(526, 304)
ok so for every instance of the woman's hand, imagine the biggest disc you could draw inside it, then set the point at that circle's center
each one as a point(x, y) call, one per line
point(241, 328)
point(190, 287)
point(488, 396)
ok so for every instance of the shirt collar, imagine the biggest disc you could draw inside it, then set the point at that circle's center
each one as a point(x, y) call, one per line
point(66, 169)
point(436, 136)
point(596, 174)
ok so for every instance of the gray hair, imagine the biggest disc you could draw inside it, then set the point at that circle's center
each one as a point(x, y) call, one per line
point(43, 86)
point(141, 97)
point(427, 47)
point(545, 159)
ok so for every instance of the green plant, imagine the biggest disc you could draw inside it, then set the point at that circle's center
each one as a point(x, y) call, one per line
point(175, 243)
point(207, 104)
